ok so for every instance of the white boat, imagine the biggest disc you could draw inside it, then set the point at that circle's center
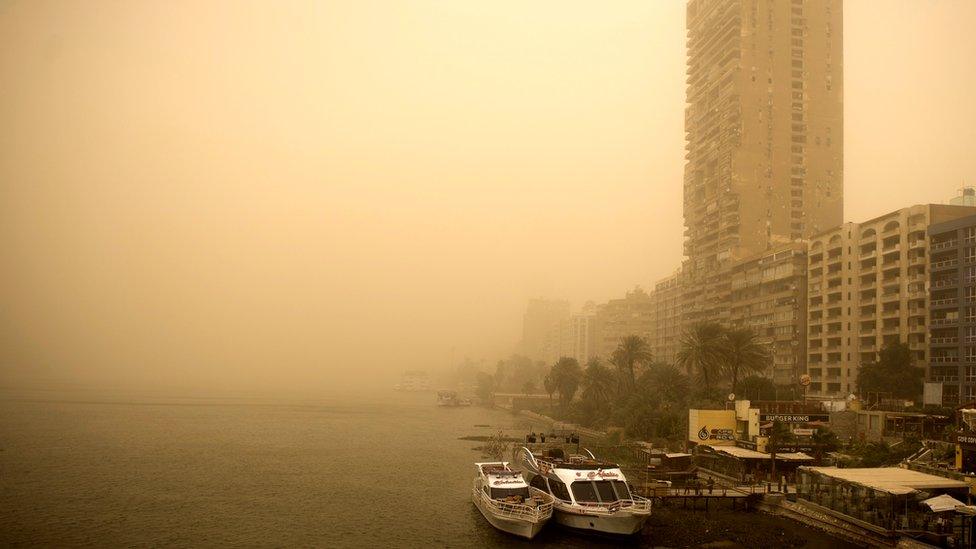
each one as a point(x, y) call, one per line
point(589, 494)
point(507, 502)
point(451, 398)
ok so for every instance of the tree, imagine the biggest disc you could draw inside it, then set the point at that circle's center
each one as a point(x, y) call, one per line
point(528, 387)
point(893, 373)
point(550, 385)
point(699, 351)
point(666, 383)
point(566, 375)
point(632, 351)
point(756, 388)
point(597, 382)
point(486, 387)
point(743, 352)
point(824, 441)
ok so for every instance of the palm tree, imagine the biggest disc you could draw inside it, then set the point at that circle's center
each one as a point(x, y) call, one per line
point(699, 351)
point(550, 385)
point(743, 353)
point(668, 383)
point(632, 351)
point(597, 382)
point(566, 375)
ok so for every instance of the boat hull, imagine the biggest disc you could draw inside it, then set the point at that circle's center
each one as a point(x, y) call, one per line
point(621, 523)
point(517, 527)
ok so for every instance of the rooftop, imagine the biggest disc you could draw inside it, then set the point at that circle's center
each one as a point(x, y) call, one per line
point(893, 480)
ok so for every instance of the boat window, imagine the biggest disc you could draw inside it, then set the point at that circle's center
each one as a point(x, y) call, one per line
point(585, 492)
point(502, 493)
point(605, 489)
point(559, 490)
point(622, 491)
point(539, 482)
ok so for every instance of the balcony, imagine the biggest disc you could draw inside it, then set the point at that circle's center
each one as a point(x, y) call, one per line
point(944, 340)
point(945, 283)
point(891, 313)
point(944, 359)
point(950, 379)
point(951, 302)
point(936, 246)
point(944, 264)
point(944, 321)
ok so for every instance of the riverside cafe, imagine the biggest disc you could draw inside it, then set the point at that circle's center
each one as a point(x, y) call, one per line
point(733, 443)
point(891, 499)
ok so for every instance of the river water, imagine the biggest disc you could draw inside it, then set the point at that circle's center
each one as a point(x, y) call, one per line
point(383, 470)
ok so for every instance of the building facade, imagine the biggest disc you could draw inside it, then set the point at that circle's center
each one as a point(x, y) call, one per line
point(618, 318)
point(544, 326)
point(584, 334)
point(666, 332)
point(764, 135)
point(768, 296)
point(952, 309)
point(866, 289)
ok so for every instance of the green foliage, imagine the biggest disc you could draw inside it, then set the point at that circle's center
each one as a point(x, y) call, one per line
point(486, 387)
point(566, 375)
point(893, 374)
point(517, 371)
point(881, 454)
point(632, 352)
point(756, 388)
point(699, 352)
point(741, 352)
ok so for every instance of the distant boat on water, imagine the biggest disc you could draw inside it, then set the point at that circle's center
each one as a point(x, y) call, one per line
point(451, 399)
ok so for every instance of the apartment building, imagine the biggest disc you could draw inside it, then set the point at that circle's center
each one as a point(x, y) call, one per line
point(584, 334)
point(544, 326)
point(867, 288)
point(764, 136)
point(952, 309)
point(666, 332)
point(768, 296)
point(618, 318)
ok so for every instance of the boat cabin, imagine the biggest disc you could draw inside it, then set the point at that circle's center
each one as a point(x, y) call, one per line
point(502, 483)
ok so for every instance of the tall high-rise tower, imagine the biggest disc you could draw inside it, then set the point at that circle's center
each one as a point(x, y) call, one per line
point(764, 130)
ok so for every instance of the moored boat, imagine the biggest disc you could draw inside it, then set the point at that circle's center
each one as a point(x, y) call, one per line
point(507, 502)
point(588, 494)
point(451, 399)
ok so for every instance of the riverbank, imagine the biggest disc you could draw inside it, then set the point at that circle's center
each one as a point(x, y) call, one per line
point(672, 527)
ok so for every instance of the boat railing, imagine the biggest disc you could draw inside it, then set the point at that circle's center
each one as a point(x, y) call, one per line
point(517, 510)
point(638, 504)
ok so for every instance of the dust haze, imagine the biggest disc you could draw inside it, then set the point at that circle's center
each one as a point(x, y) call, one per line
point(228, 195)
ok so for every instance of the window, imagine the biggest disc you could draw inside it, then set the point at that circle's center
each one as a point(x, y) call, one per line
point(559, 490)
point(605, 490)
point(539, 482)
point(970, 254)
point(621, 488)
point(585, 492)
point(502, 493)
point(970, 374)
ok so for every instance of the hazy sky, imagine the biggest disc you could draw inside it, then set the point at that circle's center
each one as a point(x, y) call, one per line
point(236, 195)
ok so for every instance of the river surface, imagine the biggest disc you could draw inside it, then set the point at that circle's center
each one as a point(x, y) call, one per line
point(349, 470)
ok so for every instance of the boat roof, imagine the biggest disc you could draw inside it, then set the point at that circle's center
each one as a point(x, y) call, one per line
point(580, 468)
point(497, 474)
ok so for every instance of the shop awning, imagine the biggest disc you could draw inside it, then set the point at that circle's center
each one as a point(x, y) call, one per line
point(942, 503)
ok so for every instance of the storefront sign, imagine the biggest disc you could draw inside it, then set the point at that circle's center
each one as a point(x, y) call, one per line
point(804, 432)
point(966, 440)
point(715, 434)
point(794, 418)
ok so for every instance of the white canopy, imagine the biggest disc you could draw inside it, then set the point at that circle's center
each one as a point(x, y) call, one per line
point(945, 502)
